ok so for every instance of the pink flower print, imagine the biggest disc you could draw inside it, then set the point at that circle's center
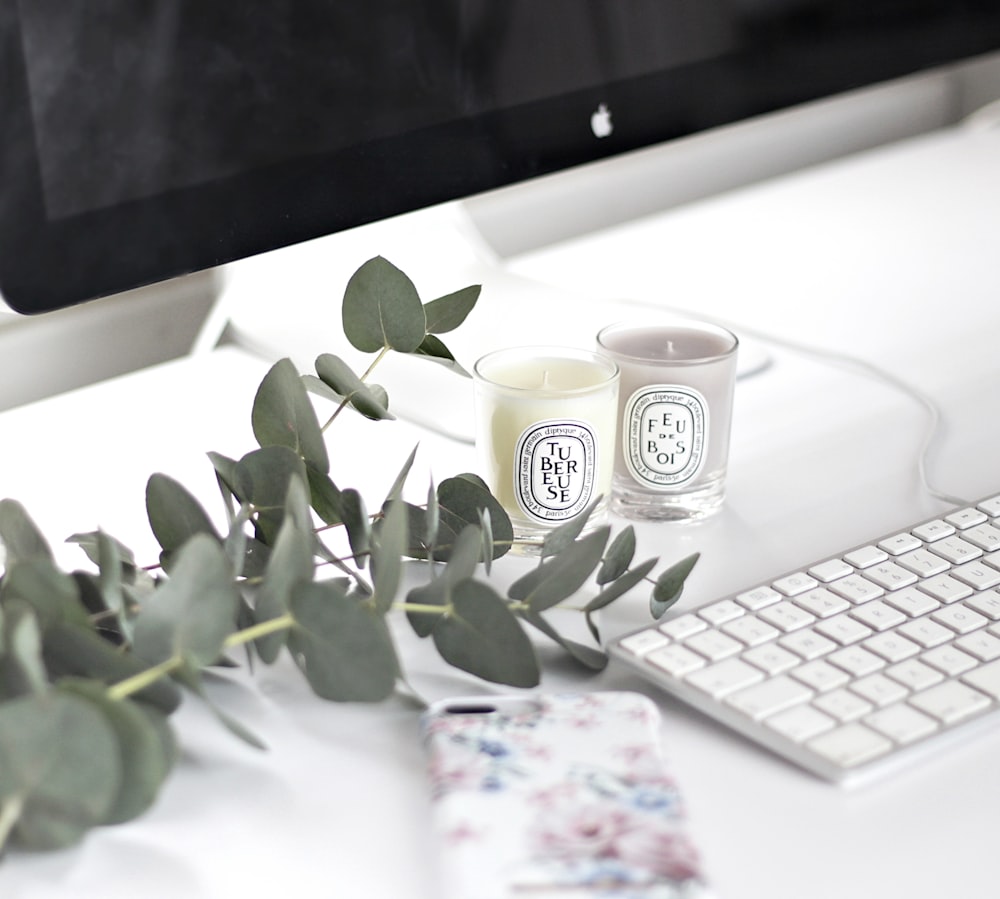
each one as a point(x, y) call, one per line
point(663, 851)
point(571, 830)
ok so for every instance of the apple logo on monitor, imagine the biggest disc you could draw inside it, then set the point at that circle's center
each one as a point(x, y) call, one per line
point(600, 121)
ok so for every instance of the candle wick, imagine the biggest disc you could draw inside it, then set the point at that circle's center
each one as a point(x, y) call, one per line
point(545, 378)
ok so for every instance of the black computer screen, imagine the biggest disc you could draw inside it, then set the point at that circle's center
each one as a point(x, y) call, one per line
point(142, 139)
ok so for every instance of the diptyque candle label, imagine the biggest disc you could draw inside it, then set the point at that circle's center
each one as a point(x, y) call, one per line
point(665, 434)
point(555, 462)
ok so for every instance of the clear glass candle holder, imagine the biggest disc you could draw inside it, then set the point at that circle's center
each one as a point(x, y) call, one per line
point(545, 434)
point(675, 414)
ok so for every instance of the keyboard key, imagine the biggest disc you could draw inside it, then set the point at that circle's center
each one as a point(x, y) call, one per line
point(856, 588)
point(899, 544)
point(831, 570)
point(990, 506)
point(844, 629)
point(923, 563)
point(771, 658)
point(987, 604)
point(808, 644)
point(842, 705)
point(675, 660)
point(925, 632)
point(750, 630)
point(933, 530)
point(901, 723)
point(956, 550)
point(986, 679)
point(951, 701)
point(800, 723)
point(856, 661)
point(758, 598)
point(877, 688)
point(866, 556)
point(794, 584)
point(893, 647)
point(724, 677)
point(912, 601)
point(965, 518)
point(713, 645)
point(914, 674)
point(890, 576)
point(787, 616)
point(850, 745)
point(977, 575)
point(945, 588)
point(720, 612)
point(683, 626)
point(949, 660)
point(775, 695)
point(878, 616)
point(644, 641)
point(981, 644)
point(822, 603)
point(820, 675)
point(959, 618)
point(985, 536)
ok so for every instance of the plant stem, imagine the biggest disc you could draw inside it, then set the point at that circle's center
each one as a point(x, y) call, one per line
point(125, 688)
point(256, 631)
point(10, 812)
point(346, 400)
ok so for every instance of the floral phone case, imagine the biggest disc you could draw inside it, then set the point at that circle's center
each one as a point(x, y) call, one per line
point(561, 796)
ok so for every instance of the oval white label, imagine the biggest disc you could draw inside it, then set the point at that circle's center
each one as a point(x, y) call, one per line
point(665, 434)
point(555, 466)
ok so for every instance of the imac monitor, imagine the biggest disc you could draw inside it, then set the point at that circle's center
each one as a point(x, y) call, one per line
point(144, 140)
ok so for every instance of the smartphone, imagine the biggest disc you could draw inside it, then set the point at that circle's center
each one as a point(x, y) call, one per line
point(562, 795)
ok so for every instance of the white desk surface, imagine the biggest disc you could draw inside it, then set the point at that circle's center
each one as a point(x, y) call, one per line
point(889, 256)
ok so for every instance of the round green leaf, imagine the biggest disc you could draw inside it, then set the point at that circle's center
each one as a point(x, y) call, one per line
point(60, 760)
point(342, 645)
point(618, 556)
point(462, 498)
point(283, 415)
point(19, 535)
point(669, 586)
point(175, 516)
point(381, 309)
point(338, 375)
point(448, 312)
point(482, 636)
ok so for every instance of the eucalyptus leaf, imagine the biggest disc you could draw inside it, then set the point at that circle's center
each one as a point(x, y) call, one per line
point(22, 671)
point(342, 646)
point(284, 416)
point(291, 563)
point(396, 490)
point(617, 588)
point(588, 656)
point(19, 535)
point(340, 377)
point(60, 765)
point(51, 593)
point(434, 350)
point(461, 564)
point(669, 585)
point(618, 557)
point(263, 479)
point(559, 577)
point(194, 611)
point(382, 309)
point(387, 552)
point(482, 636)
point(73, 651)
point(432, 517)
point(324, 496)
point(464, 497)
point(358, 524)
point(448, 312)
point(146, 757)
point(175, 516)
point(559, 538)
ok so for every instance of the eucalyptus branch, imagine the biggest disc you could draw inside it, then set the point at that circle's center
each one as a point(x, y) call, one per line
point(75, 644)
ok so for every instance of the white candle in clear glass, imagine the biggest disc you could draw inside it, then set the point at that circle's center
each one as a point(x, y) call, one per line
point(545, 433)
point(676, 406)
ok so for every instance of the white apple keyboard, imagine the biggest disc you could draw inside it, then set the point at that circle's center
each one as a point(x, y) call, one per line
point(862, 662)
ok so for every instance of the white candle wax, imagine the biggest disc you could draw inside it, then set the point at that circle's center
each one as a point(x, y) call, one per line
point(545, 430)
